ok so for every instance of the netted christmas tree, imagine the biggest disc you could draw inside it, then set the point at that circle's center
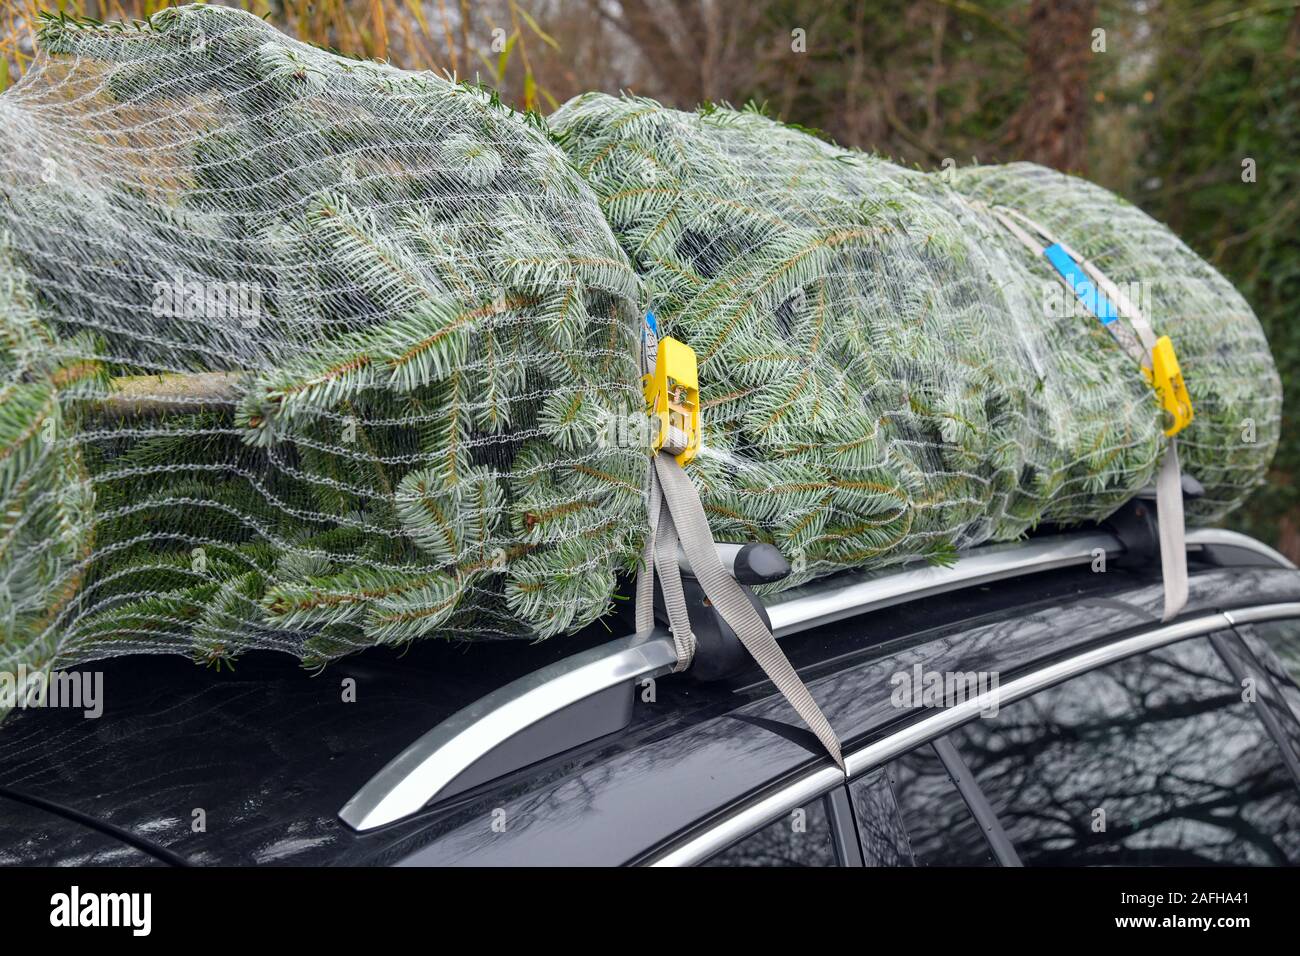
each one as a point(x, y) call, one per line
point(1225, 358)
point(46, 526)
point(823, 297)
point(330, 347)
point(311, 354)
point(885, 372)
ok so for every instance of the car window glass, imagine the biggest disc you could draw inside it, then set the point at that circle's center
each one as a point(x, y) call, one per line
point(800, 838)
point(1277, 645)
point(940, 827)
point(1154, 760)
point(1262, 687)
point(880, 827)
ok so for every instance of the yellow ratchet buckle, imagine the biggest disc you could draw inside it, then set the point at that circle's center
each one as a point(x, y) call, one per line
point(1166, 378)
point(672, 394)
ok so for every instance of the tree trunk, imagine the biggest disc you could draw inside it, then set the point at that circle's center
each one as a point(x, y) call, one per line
point(1051, 126)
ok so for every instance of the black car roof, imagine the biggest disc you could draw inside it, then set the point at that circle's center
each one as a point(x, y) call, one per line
point(269, 753)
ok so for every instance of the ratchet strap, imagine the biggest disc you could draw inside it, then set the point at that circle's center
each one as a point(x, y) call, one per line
point(677, 518)
point(1159, 365)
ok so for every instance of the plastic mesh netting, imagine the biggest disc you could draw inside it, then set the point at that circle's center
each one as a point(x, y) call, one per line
point(1222, 350)
point(330, 346)
point(886, 370)
point(312, 354)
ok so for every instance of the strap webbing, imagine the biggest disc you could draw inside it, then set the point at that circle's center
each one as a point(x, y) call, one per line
point(1173, 544)
point(661, 551)
point(684, 515)
point(677, 518)
point(1107, 302)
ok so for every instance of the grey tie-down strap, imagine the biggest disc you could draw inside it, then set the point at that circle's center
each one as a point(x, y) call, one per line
point(677, 516)
point(1138, 339)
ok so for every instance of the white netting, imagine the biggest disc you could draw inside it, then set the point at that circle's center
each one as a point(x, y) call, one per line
point(311, 354)
point(886, 370)
point(331, 346)
point(1225, 358)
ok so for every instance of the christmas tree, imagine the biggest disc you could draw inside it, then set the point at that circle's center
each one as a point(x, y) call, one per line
point(311, 354)
point(342, 346)
point(1225, 358)
point(885, 373)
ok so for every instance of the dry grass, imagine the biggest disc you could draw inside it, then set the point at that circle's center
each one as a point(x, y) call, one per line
point(454, 36)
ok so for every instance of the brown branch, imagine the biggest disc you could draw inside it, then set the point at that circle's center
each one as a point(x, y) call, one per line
point(171, 394)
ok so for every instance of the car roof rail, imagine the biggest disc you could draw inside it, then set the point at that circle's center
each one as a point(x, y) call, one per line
point(1234, 549)
point(590, 694)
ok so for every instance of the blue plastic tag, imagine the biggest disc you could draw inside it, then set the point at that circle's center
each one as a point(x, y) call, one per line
point(649, 341)
point(1093, 299)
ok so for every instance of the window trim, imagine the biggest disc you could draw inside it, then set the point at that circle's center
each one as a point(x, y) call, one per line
point(977, 804)
point(700, 845)
point(1267, 694)
point(844, 831)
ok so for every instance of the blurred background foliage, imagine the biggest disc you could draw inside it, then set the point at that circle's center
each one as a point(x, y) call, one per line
point(1189, 109)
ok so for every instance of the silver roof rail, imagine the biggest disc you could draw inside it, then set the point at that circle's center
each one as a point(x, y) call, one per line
point(589, 694)
point(1235, 548)
point(855, 592)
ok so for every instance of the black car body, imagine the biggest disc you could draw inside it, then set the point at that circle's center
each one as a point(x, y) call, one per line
point(1116, 738)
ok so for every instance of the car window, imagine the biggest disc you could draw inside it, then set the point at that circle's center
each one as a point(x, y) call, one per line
point(1154, 760)
point(800, 838)
point(1262, 686)
point(940, 827)
point(1277, 645)
point(880, 827)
